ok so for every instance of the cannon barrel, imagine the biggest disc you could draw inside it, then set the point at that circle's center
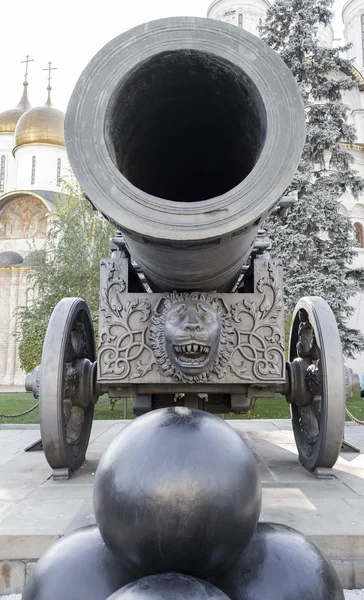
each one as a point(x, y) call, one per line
point(185, 133)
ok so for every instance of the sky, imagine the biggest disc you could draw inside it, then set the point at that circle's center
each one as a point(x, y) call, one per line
point(69, 33)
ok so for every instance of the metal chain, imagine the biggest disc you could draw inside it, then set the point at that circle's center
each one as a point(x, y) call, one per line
point(358, 421)
point(26, 412)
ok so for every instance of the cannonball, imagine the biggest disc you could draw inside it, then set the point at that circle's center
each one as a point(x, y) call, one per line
point(280, 564)
point(77, 567)
point(169, 586)
point(177, 490)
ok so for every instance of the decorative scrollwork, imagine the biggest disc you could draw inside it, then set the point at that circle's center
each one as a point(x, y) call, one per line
point(111, 303)
point(259, 339)
point(191, 337)
point(121, 343)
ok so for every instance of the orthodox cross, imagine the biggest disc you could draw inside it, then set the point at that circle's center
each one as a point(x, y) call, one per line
point(26, 61)
point(49, 69)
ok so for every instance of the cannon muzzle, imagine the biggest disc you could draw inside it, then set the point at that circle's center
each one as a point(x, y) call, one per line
point(185, 132)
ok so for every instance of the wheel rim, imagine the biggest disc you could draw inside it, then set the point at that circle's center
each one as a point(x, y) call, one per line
point(65, 419)
point(318, 426)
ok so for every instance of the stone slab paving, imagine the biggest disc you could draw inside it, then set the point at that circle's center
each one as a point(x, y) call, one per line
point(349, 595)
point(35, 510)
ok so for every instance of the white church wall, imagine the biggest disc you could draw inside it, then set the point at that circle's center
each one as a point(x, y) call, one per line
point(353, 31)
point(6, 142)
point(248, 15)
point(325, 36)
point(7, 165)
point(13, 293)
point(25, 295)
point(357, 119)
point(23, 224)
point(39, 167)
point(357, 322)
point(354, 100)
point(22, 246)
point(358, 165)
point(347, 201)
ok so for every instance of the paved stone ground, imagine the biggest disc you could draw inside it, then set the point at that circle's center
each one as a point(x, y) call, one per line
point(349, 595)
point(35, 510)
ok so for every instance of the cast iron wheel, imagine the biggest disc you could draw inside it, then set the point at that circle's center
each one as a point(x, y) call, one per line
point(317, 379)
point(67, 384)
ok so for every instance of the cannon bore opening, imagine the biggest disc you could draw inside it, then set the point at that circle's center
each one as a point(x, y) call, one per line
point(186, 126)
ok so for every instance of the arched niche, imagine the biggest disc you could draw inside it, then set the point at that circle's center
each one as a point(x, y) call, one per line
point(357, 212)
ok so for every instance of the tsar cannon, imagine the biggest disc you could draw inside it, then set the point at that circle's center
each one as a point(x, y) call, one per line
point(185, 133)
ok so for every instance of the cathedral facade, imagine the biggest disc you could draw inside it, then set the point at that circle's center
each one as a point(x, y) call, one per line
point(249, 15)
point(33, 160)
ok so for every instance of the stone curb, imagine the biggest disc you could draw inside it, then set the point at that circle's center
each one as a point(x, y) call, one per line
point(14, 574)
point(19, 426)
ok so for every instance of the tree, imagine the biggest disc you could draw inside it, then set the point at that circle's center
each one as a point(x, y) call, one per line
point(314, 240)
point(68, 265)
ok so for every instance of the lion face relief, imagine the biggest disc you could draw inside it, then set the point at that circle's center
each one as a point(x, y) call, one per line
point(192, 334)
point(189, 336)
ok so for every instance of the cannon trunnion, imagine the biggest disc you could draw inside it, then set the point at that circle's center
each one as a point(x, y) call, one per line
point(185, 133)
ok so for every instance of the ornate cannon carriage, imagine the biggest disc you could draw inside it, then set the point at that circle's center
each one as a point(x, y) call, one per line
point(185, 133)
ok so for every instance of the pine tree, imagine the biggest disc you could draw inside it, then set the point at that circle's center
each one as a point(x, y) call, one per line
point(314, 240)
point(69, 265)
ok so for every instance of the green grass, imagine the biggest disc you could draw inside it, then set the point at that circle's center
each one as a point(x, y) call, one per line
point(265, 408)
point(17, 403)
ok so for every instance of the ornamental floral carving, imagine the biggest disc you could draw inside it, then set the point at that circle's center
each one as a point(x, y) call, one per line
point(191, 337)
point(259, 345)
point(121, 342)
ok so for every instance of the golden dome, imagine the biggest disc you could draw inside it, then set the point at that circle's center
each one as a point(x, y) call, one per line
point(9, 118)
point(41, 125)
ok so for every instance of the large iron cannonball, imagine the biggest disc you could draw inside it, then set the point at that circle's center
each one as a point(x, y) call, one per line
point(169, 586)
point(179, 491)
point(280, 564)
point(77, 567)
